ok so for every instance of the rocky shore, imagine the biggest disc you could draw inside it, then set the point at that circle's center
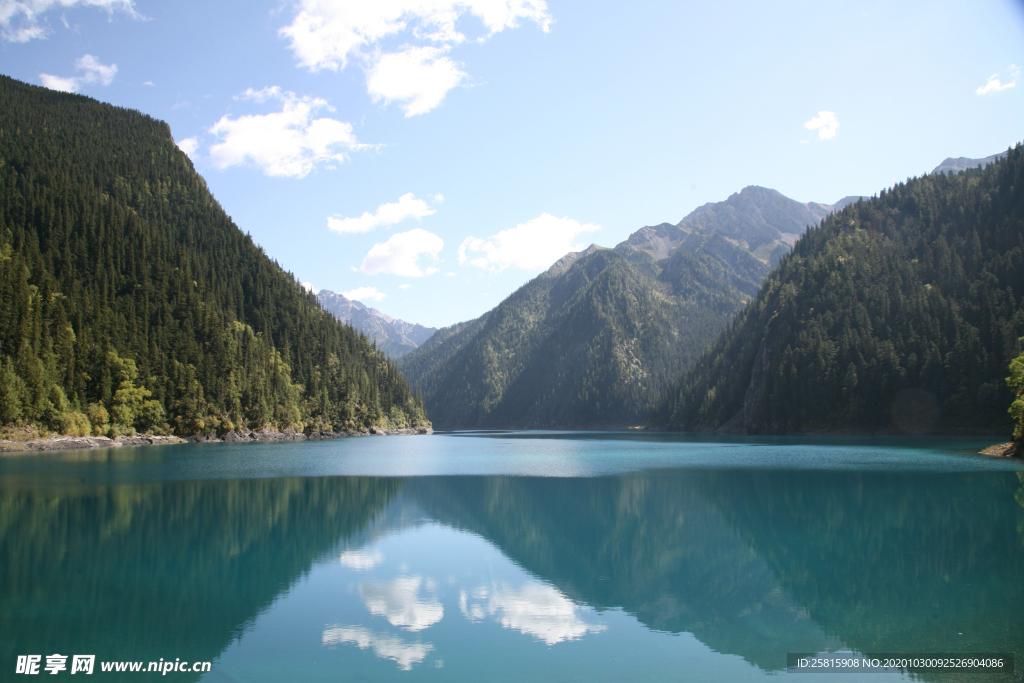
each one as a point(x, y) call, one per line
point(292, 435)
point(1003, 450)
point(67, 443)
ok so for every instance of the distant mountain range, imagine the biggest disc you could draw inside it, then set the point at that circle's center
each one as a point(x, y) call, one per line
point(393, 336)
point(951, 165)
point(599, 336)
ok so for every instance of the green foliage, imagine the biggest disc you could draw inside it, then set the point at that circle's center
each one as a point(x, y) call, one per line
point(916, 289)
point(98, 418)
point(12, 388)
point(591, 342)
point(125, 286)
point(1016, 383)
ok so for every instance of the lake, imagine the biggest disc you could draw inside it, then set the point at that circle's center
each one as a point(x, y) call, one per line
point(512, 556)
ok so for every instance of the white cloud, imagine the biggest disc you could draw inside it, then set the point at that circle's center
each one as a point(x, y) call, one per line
point(285, 143)
point(308, 286)
point(996, 85)
point(532, 245)
point(96, 70)
point(93, 71)
point(407, 206)
point(405, 286)
point(188, 145)
point(20, 19)
point(385, 646)
point(399, 255)
point(59, 83)
point(418, 77)
point(328, 34)
point(399, 602)
point(359, 560)
point(825, 123)
point(364, 294)
point(535, 608)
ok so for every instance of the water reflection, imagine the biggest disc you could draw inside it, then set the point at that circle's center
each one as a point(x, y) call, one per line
point(760, 563)
point(179, 569)
point(359, 560)
point(506, 578)
point(399, 602)
point(536, 609)
point(384, 645)
point(1020, 499)
point(651, 544)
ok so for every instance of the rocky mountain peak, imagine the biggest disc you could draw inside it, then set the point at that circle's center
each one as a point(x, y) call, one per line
point(951, 165)
point(758, 220)
point(562, 264)
point(393, 336)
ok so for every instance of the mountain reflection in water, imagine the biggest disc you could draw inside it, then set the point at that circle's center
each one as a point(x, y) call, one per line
point(426, 573)
point(143, 571)
point(760, 563)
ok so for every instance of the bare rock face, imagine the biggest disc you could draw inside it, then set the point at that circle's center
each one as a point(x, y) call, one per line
point(757, 220)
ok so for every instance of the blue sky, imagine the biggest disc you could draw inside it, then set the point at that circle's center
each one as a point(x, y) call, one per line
point(431, 156)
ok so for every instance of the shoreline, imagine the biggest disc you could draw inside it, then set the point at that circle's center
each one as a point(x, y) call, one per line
point(855, 432)
point(999, 450)
point(69, 443)
point(1002, 450)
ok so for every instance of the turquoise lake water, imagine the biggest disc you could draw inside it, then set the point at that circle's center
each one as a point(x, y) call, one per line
point(523, 556)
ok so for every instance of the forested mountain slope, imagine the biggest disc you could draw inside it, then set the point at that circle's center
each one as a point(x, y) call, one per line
point(128, 298)
point(592, 341)
point(902, 311)
point(595, 339)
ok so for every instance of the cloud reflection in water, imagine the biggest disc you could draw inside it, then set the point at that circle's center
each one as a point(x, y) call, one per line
point(535, 608)
point(384, 645)
point(399, 602)
point(361, 561)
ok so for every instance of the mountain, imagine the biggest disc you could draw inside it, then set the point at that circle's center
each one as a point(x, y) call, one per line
point(900, 312)
point(130, 300)
point(596, 338)
point(951, 165)
point(392, 336)
point(760, 221)
point(590, 343)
